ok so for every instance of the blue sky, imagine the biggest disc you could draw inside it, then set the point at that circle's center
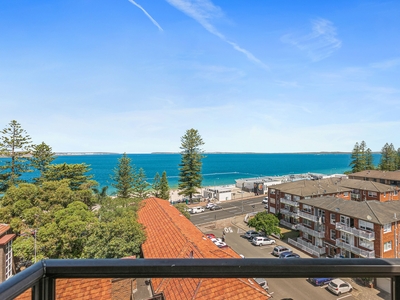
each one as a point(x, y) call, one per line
point(257, 76)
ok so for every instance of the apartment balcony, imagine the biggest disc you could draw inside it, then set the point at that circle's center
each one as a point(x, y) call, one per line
point(370, 236)
point(42, 276)
point(307, 247)
point(317, 234)
point(290, 213)
point(308, 216)
point(290, 202)
point(288, 225)
point(355, 196)
point(353, 249)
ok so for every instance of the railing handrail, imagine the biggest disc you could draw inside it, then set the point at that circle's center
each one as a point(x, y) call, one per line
point(197, 268)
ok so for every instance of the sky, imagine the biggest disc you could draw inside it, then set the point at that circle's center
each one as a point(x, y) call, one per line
point(251, 76)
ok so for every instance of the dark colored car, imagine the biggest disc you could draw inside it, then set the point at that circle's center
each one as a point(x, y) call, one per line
point(216, 207)
point(320, 281)
point(288, 255)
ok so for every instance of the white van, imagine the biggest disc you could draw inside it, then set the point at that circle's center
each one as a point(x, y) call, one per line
point(196, 210)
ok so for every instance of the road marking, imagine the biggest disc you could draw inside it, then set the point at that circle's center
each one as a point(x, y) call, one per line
point(349, 295)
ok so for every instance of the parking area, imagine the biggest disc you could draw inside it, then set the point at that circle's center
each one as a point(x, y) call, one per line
point(295, 288)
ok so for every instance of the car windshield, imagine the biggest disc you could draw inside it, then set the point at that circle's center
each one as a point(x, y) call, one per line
point(333, 284)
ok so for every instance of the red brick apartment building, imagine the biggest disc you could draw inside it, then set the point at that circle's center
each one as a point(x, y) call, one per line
point(169, 235)
point(338, 217)
point(6, 254)
point(385, 177)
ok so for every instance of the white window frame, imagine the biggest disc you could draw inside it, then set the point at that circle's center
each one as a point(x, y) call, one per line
point(366, 244)
point(364, 225)
point(345, 194)
point(333, 218)
point(332, 234)
point(8, 260)
point(307, 208)
point(272, 192)
point(372, 194)
point(387, 228)
point(387, 246)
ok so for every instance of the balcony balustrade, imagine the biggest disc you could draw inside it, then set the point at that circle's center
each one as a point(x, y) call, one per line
point(370, 236)
point(288, 224)
point(353, 249)
point(290, 213)
point(41, 277)
point(307, 247)
point(308, 216)
point(290, 202)
point(355, 196)
point(318, 234)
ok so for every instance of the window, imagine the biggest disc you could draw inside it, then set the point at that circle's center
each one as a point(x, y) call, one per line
point(345, 220)
point(305, 236)
point(387, 246)
point(333, 218)
point(372, 194)
point(307, 222)
point(288, 197)
point(395, 192)
point(307, 208)
point(272, 200)
point(8, 260)
point(333, 234)
point(296, 198)
point(366, 244)
point(366, 225)
point(307, 197)
point(387, 228)
point(345, 194)
point(272, 192)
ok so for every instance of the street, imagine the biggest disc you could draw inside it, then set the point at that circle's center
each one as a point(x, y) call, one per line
point(229, 209)
point(281, 288)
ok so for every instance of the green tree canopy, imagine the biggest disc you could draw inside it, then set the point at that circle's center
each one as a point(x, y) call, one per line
point(182, 207)
point(164, 187)
point(265, 222)
point(190, 177)
point(140, 187)
point(15, 143)
point(156, 186)
point(361, 158)
point(76, 174)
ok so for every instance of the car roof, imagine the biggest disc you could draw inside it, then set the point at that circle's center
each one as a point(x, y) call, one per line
point(286, 253)
point(338, 281)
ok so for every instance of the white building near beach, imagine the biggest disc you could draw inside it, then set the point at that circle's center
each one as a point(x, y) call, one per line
point(218, 193)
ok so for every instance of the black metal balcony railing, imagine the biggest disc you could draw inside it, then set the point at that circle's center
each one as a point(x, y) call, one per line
point(41, 277)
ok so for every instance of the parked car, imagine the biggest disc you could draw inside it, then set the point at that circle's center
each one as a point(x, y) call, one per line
point(219, 242)
point(197, 209)
point(266, 206)
point(338, 286)
point(261, 241)
point(320, 281)
point(210, 235)
point(280, 249)
point(262, 282)
point(265, 200)
point(252, 234)
point(288, 254)
point(216, 207)
point(209, 205)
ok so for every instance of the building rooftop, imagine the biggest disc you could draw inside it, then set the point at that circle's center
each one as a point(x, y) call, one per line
point(389, 175)
point(171, 235)
point(371, 211)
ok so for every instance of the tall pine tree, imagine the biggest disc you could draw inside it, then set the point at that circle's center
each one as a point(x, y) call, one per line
point(124, 177)
point(15, 144)
point(140, 187)
point(42, 157)
point(164, 187)
point(191, 163)
point(156, 186)
point(388, 158)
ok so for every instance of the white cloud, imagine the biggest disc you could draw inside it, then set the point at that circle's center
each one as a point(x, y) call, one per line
point(388, 64)
point(318, 44)
point(147, 14)
point(204, 11)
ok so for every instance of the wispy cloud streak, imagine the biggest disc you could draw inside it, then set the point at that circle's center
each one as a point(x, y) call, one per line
point(147, 14)
point(203, 11)
point(320, 43)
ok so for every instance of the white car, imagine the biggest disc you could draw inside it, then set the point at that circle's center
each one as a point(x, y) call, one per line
point(197, 209)
point(260, 241)
point(265, 200)
point(338, 286)
point(209, 205)
point(219, 242)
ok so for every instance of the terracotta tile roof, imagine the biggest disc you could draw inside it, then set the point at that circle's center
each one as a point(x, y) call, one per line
point(4, 228)
point(82, 289)
point(171, 235)
point(6, 238)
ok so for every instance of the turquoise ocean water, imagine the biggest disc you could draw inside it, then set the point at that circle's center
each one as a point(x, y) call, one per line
point(218, 169)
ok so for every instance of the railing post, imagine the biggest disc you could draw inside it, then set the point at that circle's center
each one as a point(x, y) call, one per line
point(395, 288)
point(44, 289)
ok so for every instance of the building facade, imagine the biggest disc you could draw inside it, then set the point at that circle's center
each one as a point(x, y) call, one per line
point(384, 177)
point(6, 254)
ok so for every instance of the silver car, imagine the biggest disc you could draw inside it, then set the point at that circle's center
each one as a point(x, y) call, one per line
point(261, 241)
point(338, 286)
